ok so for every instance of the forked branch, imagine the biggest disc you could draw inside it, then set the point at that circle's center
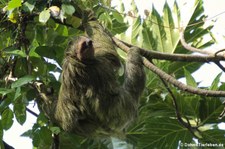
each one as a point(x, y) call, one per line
point(168, 77)
point(150, 54)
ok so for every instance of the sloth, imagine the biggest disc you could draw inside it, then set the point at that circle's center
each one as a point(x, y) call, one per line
point(91, 101)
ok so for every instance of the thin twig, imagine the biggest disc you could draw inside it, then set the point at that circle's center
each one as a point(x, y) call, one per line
point(217, 52)
point(31, 112)
point(220, 66)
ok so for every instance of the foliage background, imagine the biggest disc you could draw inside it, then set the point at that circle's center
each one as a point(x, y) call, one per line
point(156, 126)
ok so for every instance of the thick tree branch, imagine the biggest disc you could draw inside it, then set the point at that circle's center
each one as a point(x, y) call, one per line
point(150, 54)
point(180, 85)
point(170, 79)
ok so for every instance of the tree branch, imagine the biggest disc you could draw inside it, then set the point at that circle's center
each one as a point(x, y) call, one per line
point(193, 49)
point(56, 143)
point(219, 53)
point(177, 111)
point(170, 79)
point(180, 85)
point(150, 54)
point(31, 112)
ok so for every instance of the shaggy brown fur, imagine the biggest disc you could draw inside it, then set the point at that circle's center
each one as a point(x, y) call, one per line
point(91, 102)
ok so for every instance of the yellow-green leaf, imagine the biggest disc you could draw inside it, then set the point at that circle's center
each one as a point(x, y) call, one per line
point(44, 16)
point(14, 4)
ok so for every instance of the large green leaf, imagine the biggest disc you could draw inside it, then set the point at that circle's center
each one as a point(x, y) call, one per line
point(209, 110)
point(177, 68)
point(192, 35)
point(158, 30)
point(147, 38)
point(172, 35)
point(163, 133)
point(214, 136)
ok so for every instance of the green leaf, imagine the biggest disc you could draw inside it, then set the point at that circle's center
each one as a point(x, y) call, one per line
point(189, 79)
point(215, 136)
point(27, 133)
point(216, 82)
point(74, 21)
point(176, 14)
point(29, 5)
point(46, 51)
point(105, 17)
point(55, 130)
point(68, 9)
point(42, 120)
point(44, 16)
point(118, 28)
point(136, 28)
point(172, 35)
point(1, 129)
point(14, 4)
point(18, 93)
point(7, 119)
point(36, 137)
point(163, 133)
point(62, 30)
point(177, 68)
point(16, 52)
point(46, 135)
point(210, 109)
point(22, 81)
point(158, 31)
point(5, 103)
point(188, 104)
point(4, 91)
point(20, 113)
point(147, 38)
point(117, 16)
point(53, 52)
